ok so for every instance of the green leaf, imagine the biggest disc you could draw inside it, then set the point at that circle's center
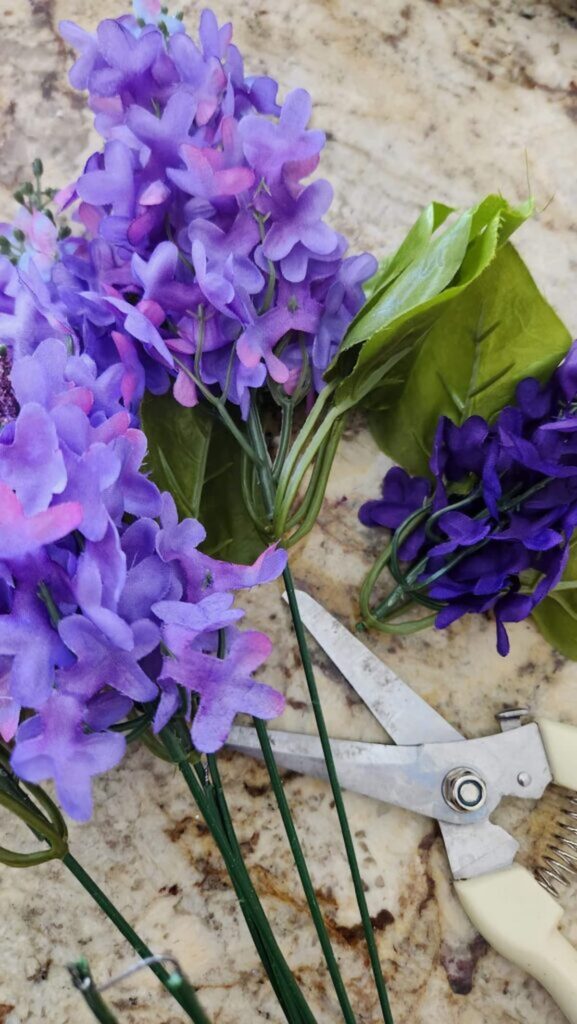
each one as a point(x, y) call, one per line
point(428, 272)
point(556, 616)
point(231, 533)
point(410, 249)
point(193, 455)
point(496, 332)
point(178, 445)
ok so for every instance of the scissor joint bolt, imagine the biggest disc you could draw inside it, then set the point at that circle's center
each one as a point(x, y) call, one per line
point(464, 790)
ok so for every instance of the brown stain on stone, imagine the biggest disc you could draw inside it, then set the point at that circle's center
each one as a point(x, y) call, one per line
point(355, 933)
point(460, 964)
point(176, 831)
point(5, 1009)
point(41, 973)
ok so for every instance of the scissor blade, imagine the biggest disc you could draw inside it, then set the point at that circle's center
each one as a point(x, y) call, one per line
point(400, 775)
point(413, 776)
point(403, 714)
point(478, 848)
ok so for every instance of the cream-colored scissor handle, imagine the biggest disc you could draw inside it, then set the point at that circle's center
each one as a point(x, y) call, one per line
point(515, 914)
point(521, 921)
point(560, 742)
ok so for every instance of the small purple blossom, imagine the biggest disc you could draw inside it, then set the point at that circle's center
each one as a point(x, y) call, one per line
point(225, 687)
point(54, 744)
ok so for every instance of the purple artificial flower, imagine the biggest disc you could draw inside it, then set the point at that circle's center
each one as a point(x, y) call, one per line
point(269, 147)
point(22, 535)
point(35, 650)
point(225, 687)
point(195, 238)
point(100, 661)
point(203, 575)
point(402, 495)
point(53, 744)
point(32, 463)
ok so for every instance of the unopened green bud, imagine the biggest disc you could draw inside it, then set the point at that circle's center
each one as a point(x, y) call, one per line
point(5, 246)
point(19, 197)
point(28, 188)
point(19, 235)
point(37, 168)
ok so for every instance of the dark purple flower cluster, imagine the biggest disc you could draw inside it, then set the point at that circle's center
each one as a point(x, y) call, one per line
point(203, 255)
point(497, 521)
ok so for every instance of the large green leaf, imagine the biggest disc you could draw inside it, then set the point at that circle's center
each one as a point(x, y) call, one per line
point(193, 455)
point(556, 616)
point(495, 332)
point(405, 305)
point(178, 444)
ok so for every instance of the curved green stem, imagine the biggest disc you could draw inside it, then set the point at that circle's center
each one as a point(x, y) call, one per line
point(247, 491)
point(399, 628)
point(310, 508)
point(185, 998)
point(221, 409)
point(284, 439)
point(300, 441)
point(284, 502)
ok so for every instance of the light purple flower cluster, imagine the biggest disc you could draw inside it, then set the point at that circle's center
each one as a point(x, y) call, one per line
point(203, 255)
point(498, 520)
point(106, 603)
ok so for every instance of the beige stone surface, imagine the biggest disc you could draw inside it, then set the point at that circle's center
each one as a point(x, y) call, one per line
point(421, 100)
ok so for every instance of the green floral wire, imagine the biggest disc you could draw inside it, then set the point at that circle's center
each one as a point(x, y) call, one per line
point(268, 487)
point(290, 997)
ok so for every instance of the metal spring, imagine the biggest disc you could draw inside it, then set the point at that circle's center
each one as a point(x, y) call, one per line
point(560, 863)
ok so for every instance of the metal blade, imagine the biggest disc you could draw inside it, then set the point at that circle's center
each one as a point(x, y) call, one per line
point(511, 763)
point(403, 714)
point(475, 849)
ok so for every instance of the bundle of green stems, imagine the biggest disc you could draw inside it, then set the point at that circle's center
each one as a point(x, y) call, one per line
point(271, 488)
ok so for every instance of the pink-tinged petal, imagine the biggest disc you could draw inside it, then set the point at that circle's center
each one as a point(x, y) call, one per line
point(233, 180)
point(248, 347)
point(184, 390)
point(250, 650)
point(262, 701)
point(9, 707)
point(21, 535)
point(155, 194)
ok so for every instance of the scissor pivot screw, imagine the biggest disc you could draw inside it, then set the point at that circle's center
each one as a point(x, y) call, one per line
point(464, 790)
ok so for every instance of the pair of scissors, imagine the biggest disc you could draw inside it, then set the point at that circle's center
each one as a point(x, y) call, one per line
point(433, 770)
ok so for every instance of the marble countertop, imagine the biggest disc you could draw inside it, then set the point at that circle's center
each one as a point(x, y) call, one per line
point(421, 99)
